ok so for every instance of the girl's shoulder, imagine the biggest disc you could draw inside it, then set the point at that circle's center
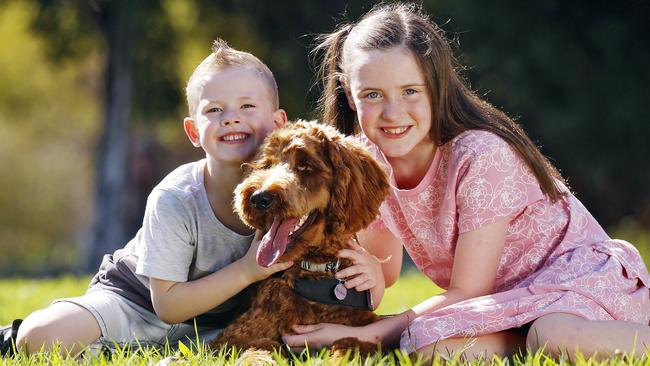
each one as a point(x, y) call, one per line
point(477, 142)
point(480, 146)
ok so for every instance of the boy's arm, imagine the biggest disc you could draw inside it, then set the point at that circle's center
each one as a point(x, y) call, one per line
point(176, 302)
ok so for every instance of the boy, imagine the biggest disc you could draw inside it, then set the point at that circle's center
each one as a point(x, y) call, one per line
point(192, 255)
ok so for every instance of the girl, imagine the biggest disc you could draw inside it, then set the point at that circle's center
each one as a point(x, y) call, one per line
point(480, 210)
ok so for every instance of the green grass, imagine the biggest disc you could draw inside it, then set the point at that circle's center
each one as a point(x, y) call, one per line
point(18, 297)
point(633, 232)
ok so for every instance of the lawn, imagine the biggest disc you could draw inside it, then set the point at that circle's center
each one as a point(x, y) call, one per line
point(18, 297)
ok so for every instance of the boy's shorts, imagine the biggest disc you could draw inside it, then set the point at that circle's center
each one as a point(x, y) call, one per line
point(124, 323)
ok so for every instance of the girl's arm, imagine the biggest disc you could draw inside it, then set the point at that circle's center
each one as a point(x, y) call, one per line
point(377, 261)
point(176, 302)
point(386, 247)
point(476, 261)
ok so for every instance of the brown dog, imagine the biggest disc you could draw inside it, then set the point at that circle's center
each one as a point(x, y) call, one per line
point(311, 189)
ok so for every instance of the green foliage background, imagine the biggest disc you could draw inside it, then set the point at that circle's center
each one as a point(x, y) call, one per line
point(573, 73)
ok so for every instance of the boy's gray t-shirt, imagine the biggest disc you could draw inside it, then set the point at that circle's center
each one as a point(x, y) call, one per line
point(181, 240)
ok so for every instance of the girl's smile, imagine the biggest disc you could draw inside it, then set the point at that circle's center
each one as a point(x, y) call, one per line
point(395, 132)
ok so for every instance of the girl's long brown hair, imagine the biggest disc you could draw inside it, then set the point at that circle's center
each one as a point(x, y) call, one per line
point(455, 108)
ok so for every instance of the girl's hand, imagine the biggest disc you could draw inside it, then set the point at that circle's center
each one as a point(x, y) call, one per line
point(365, 272)
point(319, 335)
point(252, 270)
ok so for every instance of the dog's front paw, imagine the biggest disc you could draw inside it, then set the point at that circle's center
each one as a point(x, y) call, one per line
point(264, 344)
point(256, 357)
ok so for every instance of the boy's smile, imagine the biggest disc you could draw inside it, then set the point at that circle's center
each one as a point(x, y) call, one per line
point(234, 137)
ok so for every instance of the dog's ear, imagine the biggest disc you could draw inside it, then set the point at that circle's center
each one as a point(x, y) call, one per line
point(360, 185)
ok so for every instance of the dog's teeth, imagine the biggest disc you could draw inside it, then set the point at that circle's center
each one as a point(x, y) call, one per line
point(302, 220)
point(299, 224)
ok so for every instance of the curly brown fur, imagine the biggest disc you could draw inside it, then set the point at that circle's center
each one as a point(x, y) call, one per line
point(306, 167)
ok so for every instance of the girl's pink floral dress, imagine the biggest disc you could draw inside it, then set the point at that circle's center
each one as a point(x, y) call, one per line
point(557, 258)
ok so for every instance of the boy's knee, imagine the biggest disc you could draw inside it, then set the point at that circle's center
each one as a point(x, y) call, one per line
point(65, 324)
point(34, 333)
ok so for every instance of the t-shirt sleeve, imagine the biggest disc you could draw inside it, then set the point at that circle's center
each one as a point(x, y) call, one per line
point(166, 247)
point(493, 182)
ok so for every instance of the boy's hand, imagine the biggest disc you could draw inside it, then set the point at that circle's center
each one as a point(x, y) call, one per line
point(254, 271)
point(365, 272)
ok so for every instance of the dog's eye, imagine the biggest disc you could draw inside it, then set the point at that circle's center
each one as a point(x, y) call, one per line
point(304, 168)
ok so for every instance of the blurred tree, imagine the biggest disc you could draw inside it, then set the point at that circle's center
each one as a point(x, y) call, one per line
point(47, 112)
point(139, 80)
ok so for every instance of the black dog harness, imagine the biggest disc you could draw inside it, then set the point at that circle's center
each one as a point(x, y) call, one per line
point(330, 290)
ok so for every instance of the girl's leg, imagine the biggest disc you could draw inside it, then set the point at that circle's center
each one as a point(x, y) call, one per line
point(502, 344)
point(568, 333)
point(61, 323)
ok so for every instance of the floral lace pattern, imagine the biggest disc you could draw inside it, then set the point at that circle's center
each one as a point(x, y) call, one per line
point(556, 257)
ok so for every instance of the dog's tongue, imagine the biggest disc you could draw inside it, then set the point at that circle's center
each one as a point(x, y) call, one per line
point(275, 242)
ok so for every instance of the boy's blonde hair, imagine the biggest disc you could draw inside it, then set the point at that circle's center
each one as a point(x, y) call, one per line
point(224, 56)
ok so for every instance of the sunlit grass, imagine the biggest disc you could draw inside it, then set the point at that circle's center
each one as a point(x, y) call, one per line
point(19, 297)
point(632, 232)
point(411, 288)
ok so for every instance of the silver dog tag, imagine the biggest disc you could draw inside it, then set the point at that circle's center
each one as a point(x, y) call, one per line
point(340, 292)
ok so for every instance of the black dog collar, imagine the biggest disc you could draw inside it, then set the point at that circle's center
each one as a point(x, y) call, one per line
point(331, 291)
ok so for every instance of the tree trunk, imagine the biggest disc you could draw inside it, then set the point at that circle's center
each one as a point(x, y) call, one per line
point(107, 230)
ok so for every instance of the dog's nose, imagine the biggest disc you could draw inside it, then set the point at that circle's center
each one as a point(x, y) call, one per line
point(262, 200)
